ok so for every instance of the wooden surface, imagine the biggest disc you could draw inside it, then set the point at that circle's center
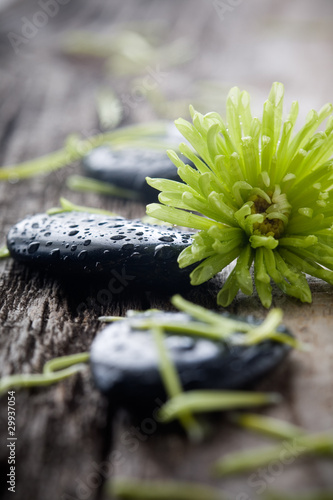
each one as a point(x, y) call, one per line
point(64, 446)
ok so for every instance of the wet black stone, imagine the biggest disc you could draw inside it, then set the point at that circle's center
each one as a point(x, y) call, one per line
point(128, 168)
point(124, 363)
point(112, 243)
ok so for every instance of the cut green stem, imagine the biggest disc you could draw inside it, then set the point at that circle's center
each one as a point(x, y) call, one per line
point(68, 206)
point(208, 401)
point(4, 252)
point(86, 184)
point(54, 371)
point(286, 453)
point(173, 385)
point(268, 426)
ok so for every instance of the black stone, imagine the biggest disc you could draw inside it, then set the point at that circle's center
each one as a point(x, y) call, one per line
point(94, 244)
point(128, 168)
point(124, 362)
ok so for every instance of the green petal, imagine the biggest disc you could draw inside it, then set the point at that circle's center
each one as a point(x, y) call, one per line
point(179, 217)
point(263, 241)
point(211, 266)
point(229, 290)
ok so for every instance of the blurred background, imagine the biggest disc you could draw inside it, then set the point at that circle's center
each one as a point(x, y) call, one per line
point(70, 66)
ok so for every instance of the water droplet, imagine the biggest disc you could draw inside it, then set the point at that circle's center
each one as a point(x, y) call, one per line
point(73, 248)
point(163, 252)
point(73, 233)
point(82, 255)
point(47, 234)
point(167, 239)
point(117, 237)
point(74, 225)
point(35, 225)
point(128, 246)
point(87, 242)
point(33, 247)
point(140, 233)
point(55, 252)
point(48, 243)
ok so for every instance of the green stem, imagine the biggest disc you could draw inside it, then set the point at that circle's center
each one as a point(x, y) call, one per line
point(173, 385)
point(37, 380)
point(65, 361)
point(76, 148)
point(4, 252)
point(87, 184)
point(268, 426)
point(68, 206)
point(287, 452)
point(54, 370)
point(207, 401)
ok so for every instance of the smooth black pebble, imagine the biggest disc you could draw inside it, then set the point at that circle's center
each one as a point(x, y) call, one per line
point(125, 366)
point(92, 244)
point(128, 168)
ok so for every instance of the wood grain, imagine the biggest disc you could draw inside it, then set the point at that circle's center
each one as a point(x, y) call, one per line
point(65, 448)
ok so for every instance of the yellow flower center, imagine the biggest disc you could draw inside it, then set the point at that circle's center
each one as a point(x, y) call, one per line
point(271, 226)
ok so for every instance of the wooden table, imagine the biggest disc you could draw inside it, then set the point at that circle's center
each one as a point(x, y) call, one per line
point(63, 435)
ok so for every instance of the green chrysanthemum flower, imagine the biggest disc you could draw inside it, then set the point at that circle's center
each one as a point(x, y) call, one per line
point(265, 194)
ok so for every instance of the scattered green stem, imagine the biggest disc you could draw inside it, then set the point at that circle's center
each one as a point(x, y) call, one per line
point(37, 380)
point(268, 426)
point(54, 371)
point(87, 184)
point(63, 362)
point(110, 319)
point(68, 206)
point(207, 401)
point(4, 252)
point(76, 148)
point(287, 452)
point(173, 385)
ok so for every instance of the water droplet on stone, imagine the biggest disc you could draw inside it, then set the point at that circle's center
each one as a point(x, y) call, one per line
point(55, 252)
point(33, 247)
point(82, 255)
point(167, 239)
point(73, 233)
point(87, 242)
point(164, 252)
point(128, 246)
point(117, 237)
